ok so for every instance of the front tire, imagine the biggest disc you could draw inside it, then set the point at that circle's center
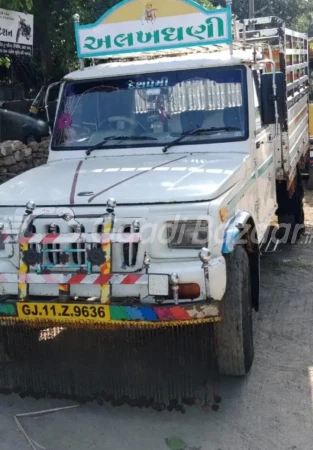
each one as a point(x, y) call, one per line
point(234, 334)
point(18, 35)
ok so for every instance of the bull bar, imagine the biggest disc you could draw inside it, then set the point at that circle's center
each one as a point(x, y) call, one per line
point(104, 311)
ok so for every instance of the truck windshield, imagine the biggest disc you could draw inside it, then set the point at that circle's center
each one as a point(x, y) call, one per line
point(149, 110)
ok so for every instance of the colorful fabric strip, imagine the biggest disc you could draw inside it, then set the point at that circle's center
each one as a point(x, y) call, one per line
point(141, 313)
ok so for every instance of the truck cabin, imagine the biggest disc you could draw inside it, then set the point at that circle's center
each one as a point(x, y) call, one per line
point(153, 107)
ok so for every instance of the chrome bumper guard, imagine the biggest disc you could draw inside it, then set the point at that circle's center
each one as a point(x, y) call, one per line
point(31, 251)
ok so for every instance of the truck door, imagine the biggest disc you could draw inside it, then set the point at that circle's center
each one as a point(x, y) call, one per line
point(51, 102)
point(264, 159)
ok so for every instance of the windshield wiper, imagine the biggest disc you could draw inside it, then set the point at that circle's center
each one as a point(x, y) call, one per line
point(197, 131)
point(120, 138)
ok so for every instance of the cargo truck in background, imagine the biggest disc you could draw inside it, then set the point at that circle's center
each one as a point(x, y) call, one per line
point(169, 156)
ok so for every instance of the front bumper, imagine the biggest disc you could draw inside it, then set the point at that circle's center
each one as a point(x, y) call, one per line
point(96, 315)
point(50, 309)
point(91, 293)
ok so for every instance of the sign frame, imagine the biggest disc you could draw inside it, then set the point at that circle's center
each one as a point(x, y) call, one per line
point(220, 15)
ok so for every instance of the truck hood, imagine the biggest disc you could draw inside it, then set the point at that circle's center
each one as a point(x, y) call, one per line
point(142, 179)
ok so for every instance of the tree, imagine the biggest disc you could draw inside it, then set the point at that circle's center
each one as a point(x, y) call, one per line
point(288, 10)
point(17, 5)
point(304, 21)
point(54, 43)
point(55, 35)
point(206, 3)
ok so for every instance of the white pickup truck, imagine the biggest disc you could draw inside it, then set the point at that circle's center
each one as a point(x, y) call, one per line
point(166, 166)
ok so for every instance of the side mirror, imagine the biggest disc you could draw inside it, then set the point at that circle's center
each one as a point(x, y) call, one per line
point(268, 100)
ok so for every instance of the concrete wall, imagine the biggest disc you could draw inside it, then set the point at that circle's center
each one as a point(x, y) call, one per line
point(15, 157)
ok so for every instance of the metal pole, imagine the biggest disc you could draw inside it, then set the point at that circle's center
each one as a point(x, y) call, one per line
point(251, 14)
point(76, 19)
point(228, 4)
point(251, 9)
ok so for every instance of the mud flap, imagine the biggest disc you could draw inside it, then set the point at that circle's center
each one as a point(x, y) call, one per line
point(162, 368)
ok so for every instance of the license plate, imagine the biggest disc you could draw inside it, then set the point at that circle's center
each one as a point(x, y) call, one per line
point(63, 312)
point(158, 285)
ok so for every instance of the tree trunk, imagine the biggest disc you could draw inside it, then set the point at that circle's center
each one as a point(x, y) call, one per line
point(42, 18)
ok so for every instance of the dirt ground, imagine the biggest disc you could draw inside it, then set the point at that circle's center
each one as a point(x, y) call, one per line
point(269, 410)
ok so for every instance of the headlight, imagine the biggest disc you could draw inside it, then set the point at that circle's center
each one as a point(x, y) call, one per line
point(187, 234)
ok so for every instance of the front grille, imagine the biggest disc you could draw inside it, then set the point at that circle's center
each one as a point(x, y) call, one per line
point(33, 231)
point(79, 251)
point(54, 254)
point(124, 256)
point(130, 251)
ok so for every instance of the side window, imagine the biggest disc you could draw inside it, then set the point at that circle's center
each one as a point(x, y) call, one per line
point(256, 92)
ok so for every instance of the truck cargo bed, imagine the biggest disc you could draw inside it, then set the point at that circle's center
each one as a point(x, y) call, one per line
point(289, 50)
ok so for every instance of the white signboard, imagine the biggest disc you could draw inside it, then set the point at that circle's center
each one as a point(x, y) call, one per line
point(16, 33)
point(135, 26)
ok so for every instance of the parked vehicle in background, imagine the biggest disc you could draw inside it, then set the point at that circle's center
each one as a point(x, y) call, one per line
point(39, 106)
point(16, 110)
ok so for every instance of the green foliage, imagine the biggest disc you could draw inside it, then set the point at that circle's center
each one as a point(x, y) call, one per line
point(304, 22)
point(60, 23)
point(17, 5)
point(58, 55)
point(288, 10)
point(206, 3)
point(5, 62)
